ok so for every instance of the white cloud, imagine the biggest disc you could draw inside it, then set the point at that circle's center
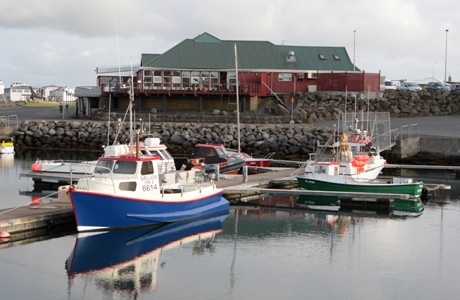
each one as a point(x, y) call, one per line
point(62, 42)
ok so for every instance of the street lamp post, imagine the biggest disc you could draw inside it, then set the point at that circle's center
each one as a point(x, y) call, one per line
point(354, 50)
point(445, 60)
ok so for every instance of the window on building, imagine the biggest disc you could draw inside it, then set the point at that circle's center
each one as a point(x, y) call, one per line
point(231, 80)
point(284, 77)
point(186, 78)
point(157, 79)
point(195, 77)
point(176, 77)
point(336, 57)
point(214, 76)
point(147, 76)
point(322, 56)
point(167, 76)
point(205, 78)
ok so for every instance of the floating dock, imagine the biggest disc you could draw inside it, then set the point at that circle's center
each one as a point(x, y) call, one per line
point(26, 222)
point(51, 181)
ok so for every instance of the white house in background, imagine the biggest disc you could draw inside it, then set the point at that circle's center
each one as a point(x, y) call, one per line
point(63, 94)
point(48, 92)
point(18, 93)
point(2, 92)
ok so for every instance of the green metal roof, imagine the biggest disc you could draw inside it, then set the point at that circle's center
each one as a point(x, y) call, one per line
point(208, 52)
point(148, 58)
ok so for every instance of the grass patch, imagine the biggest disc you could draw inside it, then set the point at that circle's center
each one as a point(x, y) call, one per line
point(42, 104)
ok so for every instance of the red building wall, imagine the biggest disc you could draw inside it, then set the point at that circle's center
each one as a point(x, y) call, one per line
point(352, 82)
point(262, 84)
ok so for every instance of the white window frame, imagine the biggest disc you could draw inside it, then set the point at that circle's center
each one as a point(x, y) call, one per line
point(284, 77)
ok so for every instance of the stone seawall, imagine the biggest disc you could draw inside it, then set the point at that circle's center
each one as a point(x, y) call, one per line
point(261, 134)
point(288, 142)
point(313, 107)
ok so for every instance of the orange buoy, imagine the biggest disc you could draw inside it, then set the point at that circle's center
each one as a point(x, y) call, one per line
point(358, 163)
point(36, 200)
point(36, 167)
point(4, 234)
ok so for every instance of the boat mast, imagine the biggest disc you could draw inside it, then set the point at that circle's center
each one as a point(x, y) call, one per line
point(343, 120)
point(237, 101)
point(131, 100)
point(108, 121)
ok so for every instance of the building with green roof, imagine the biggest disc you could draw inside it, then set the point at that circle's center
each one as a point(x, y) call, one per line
point(195, 71)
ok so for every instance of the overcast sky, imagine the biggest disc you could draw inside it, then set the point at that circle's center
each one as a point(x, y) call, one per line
point(61, 42)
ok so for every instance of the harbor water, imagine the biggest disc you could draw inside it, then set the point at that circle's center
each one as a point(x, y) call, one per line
point(255, 253)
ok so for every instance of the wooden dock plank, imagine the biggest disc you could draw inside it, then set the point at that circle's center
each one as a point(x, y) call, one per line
point(33, 217)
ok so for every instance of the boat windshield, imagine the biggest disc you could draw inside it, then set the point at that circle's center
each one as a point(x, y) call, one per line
point(124, 167)
point(103, 166)
point(117, 167)
point(221, 152)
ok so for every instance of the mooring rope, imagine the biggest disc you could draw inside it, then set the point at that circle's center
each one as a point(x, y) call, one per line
point(41, 198)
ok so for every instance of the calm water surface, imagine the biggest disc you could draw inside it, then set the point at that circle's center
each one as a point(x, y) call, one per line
point(254, 254)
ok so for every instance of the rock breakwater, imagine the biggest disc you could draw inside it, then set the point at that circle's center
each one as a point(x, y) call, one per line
point(289, 142)
point(259, 136)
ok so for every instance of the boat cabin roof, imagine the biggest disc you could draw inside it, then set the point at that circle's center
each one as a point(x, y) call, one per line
point(130, 157)
point(209, 146)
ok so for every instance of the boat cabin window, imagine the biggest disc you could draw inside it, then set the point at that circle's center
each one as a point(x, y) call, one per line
point(355, 149)
point(124, 167)
point(128, 186)
point(336, 170)
point(165, 154)
point(320, 169)
point(103, 166)
point(205, 152)
point(147, 168)
point(161, 153)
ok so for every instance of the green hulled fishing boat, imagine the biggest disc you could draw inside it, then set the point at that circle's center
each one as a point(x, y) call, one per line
point(348, 164)
point(391, 186)
point(409, 204)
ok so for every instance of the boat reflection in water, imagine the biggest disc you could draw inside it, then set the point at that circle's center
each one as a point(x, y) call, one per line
point(6, 160)
point(128, 260)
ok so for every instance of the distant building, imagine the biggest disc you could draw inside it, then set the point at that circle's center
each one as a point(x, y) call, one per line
point(18, 83)
point(63, 94)
point(17, 93)
point(2, 92)
point(48, 92)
